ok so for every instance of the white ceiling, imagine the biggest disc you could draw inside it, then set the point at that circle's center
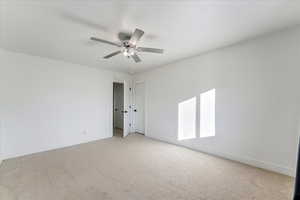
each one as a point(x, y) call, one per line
point(61, 29)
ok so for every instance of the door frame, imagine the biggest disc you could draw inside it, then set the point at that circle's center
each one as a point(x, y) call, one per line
point(113, 112)
point(130, 96)
point(145, 105)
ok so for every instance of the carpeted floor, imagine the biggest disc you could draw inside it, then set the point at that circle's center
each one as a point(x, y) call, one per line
point(136, 168)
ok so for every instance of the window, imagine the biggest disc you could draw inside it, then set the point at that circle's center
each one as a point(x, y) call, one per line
point(187, 119)
point(207, 113)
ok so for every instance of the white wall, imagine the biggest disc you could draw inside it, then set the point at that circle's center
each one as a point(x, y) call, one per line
point(47, 104)
point(257, 100)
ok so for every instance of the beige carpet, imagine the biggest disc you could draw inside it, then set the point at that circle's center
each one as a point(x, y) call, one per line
point(136, 168)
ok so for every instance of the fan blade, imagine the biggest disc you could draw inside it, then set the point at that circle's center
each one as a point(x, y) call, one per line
point(105, 41)
point(136, 58)
point(150, 50)
point(112, 54)
point(136, 36)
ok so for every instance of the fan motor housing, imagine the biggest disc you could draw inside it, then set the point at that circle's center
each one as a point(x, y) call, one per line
point(126, 44)
point(128, 49)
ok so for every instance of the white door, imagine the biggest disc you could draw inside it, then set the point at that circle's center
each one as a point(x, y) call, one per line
point(139, 109)
point(126, 109)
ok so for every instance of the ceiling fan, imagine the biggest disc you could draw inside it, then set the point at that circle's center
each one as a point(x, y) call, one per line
point(129, 46)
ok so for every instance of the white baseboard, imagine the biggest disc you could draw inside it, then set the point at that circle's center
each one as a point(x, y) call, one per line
point(5, 157)
point(245, 160)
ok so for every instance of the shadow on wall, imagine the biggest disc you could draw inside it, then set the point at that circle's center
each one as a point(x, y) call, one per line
point(197, 119)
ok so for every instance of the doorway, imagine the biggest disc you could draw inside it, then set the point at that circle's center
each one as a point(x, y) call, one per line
point(118, 108)
point(139, 110)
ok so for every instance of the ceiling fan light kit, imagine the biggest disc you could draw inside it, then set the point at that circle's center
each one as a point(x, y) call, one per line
point(129, 47)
